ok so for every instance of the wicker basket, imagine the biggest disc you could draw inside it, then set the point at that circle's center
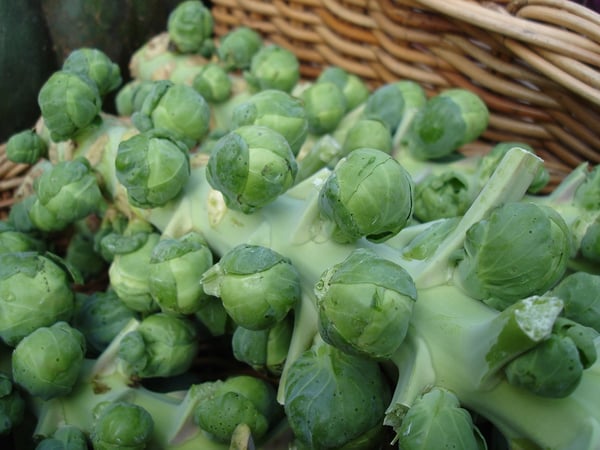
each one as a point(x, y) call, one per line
point(536, 63)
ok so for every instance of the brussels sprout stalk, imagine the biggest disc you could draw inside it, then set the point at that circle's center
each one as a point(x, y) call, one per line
point(292, 226)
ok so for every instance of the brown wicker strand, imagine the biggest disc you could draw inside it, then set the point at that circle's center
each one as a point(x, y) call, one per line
point(561, 18)
point(540, 35)
point(566, 5)
point(496, 84)
point(554, 72)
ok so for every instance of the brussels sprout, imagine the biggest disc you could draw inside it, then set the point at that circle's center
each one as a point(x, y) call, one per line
point(129, 271)
point(176, 265)
point(371, 133)
point(365, 304)
point(440, 196)
point(163, 345)
point(241, 399)
point(213, 83)
point(521, 249)
point(97, 66)
point(590, 243)
point(13, 240)
point(336, 400)
point(436, 420)
point(355, 90)
point(131, 96)
point(35, 291)
point(119, 425)
point(368, 194)
point(447, 121)
point(392, 101)
point(153, 167)
point(277, 110)
point(47, 362)
point(555, 366)
point(325, 106)
point(100, 316)
point(587, 194)
point(18, 216)
point(190, 27)
point(257, 285)
point(69, 102)
point(263, 350)
point(66, 437)
point(82, 255)
point(213, 318)
point(251, 166)
point(177, 108)
point(26, 147)
point(580, 293)
point(65, 193)
point(273, 67)
point(237, 48)
point(12, 405)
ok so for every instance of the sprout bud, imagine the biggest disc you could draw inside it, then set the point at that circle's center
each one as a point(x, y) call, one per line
point(241, 399)
point(447, 121)
point(131, 96)
point(237, 48)
point(100, 316)
point(273, 67)
point(129, 272)
point(580, 293)
point(65, 193)
point(325, 106)
point(437, 419)
point(35, 291)
point(69, 102)
point(441, 196)
point(368, 194)
point(263, 350)
point(213, 83)
point(371, 133)
point(365, 304)
point(12, 405)
point(121, 424)
point(251, 166)
point(521, 249)
point(176, 265)
point(26, 147)
point(47, 362)
point(355, 90)
point(13, 240)
point(95, 65)
point(153, 167)
point(163, 345)
point(555, 366)
point(177, 108)
point(324, 381)
point(190, 27)
point(392, 101)
point(257, 286)
point(277, 110)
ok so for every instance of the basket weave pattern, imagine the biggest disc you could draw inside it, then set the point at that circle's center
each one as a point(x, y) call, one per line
point(535, 62)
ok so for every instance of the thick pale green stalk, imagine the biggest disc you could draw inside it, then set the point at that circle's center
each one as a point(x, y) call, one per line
point(460, 344)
